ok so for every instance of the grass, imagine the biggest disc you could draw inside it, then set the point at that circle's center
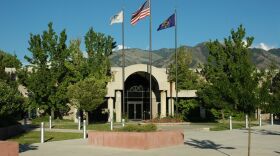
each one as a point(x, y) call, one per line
point(224, 125)
point(34, 137)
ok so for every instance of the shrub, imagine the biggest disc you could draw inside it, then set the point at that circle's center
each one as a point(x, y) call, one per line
point(138, 128)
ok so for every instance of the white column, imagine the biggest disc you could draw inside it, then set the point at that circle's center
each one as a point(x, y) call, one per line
point(169, 107)
point(246, 121)
point(84, 129)
point(79, 123)
point(118, 106)
point(230, 123)
point(42, 133)
point(154, 106)
point(50, 122)
point(163, 104)
point(111, 109)
point(260, 120)
point(111, 124)
point(271, 119)
point(123, 121)
point(172, 107)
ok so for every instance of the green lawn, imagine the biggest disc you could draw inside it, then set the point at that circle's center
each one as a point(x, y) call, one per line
point(225, 125)
point(34, 137)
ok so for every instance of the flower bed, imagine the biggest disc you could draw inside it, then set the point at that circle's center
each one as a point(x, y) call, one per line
point(136, 140)
point(165, 120)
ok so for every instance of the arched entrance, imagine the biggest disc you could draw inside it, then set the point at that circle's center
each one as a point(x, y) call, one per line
point(137, 97)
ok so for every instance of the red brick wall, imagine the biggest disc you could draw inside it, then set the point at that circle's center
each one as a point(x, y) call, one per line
point(136, 140)
point(9, 148)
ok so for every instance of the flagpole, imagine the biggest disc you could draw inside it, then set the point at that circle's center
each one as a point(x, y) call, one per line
point(150, 59)
point(123, 63)
point(176, 55)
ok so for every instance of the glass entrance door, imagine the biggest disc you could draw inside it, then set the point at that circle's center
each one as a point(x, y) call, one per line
point(135, 109)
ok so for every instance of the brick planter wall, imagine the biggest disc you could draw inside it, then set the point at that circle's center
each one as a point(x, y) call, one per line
point(136, 140)
point(9, 148)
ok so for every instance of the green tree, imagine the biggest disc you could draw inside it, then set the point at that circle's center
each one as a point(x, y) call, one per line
point(274, 106)
point(90, 75)
point(48, 81)
point(10, 99)
point(88, 94)
point(232, 75)
point(187, 79)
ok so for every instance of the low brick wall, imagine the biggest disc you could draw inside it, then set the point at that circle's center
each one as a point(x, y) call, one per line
point(136, 140)
point(9, 148)
point(7, 132)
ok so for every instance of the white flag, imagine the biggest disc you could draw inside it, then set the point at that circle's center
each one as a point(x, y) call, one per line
point(118, 18)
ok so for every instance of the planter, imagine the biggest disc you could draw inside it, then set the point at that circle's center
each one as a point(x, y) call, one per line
point(9, 148)
point(136, 140)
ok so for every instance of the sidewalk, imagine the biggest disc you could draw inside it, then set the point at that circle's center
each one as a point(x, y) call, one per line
point(265, 141)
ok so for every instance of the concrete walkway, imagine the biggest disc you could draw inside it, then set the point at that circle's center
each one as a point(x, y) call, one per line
point(265, 141)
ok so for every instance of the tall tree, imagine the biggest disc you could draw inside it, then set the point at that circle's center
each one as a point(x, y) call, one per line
point(274, 106)
point(232, 75)
point(94, 71)
point(11, 100)
point(187, 79)
point(47, 83)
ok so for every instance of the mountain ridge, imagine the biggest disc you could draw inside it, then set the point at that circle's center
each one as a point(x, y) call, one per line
point(162, 57)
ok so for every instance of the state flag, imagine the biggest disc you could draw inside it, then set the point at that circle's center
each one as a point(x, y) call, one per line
point(170, 22)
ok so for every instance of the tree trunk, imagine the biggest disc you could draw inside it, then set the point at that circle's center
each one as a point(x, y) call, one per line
point(249, 136)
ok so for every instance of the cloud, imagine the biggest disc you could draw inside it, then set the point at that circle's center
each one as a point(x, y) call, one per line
point(264, 46)
point(119, 47)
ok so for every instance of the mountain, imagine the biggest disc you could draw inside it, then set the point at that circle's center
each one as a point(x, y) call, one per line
point(162, 57)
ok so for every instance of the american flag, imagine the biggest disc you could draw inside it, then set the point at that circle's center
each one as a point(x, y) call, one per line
point(142, 12)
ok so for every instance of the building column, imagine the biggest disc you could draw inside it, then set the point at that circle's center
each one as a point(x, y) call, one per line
point(172, 106)
point(169, 107)
point(110, 108)
point(118, 106)
point(162, 104)
point(154, 106)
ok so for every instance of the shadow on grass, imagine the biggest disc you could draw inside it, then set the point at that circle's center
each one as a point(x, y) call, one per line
point(264, 132)
point(49, 139)
point(207, 144)
point(26, 147)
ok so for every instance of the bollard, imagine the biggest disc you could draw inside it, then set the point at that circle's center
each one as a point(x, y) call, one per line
point(111, 123)
point(230, 123)
point(84, 128)
point(246, 122)
point(271, 118)
point(50, 121)
point(260, 120)
point(79, 123)
point(42, 132)
point(123, 122)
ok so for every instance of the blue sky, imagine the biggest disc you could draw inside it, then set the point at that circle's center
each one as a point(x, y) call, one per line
point(198, 21)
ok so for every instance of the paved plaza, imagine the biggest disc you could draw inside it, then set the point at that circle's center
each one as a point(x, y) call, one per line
point(265, 142)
